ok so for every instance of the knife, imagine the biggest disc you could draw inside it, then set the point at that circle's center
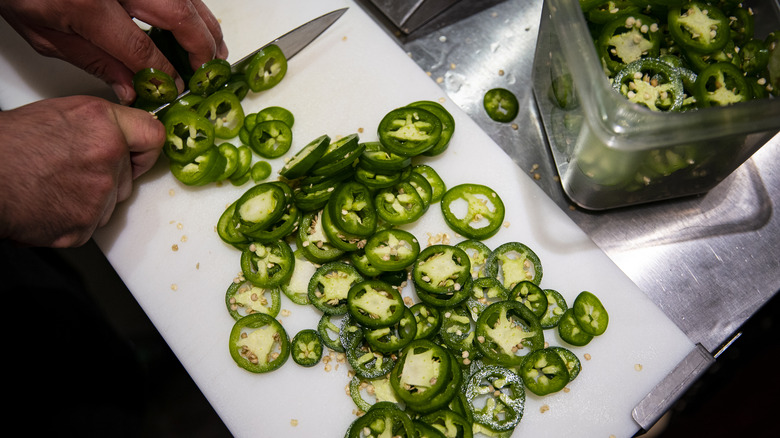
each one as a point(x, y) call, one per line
point(290, 44)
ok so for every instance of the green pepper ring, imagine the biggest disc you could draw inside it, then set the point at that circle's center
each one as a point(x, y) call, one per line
point(257, 321)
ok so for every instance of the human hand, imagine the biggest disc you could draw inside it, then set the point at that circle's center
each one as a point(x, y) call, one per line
point(61, 176)
point(100, 36)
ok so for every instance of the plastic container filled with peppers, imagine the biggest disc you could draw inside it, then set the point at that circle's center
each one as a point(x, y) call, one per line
point(646, 100)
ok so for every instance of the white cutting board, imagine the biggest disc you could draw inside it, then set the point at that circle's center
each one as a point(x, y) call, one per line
point(343, 83)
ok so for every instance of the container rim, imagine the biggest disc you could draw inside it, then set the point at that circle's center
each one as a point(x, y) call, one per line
point(620, 123)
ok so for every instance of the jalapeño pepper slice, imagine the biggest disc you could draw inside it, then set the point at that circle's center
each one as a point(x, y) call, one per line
point(627, 39)
point(699, 27)
point(331, 324)
point(304, 159)
point(312, 242)
point(421, 372)
point(442, 269)
point(532, 296)
point(244, 298)
point(484, 292)
point(449, 423)
point(269, 264)
point(368, 393)
point(652, 83)
point(447, 125)
point(544, 372)
point(187, 135)
point(458, 333)
point(306, 348)
point(590, 314)
point(337, 237)
point(340, 157)
point(210, 77)
point(259, 343)
point(501, 105)
point(506, 398)
point(375, 304)
point(385, 421)
point(351, 208)
point(329, 287)
point(260, 207)
point(155, 86)
point(276, 113)
point(204, 169)
point(556, 305)
point(224, 111)
point(377, 158)
point(428, 320)
point(507, 331)
point(570, 331)
point(271, 138)
point(365, 361)
point(392, 249)
point(721, 84)
point(571, 360)
point(400, 204)
point(266, 69)
point(227, 229)
point(438, 188)
point(409, 131)
point(513, 262)
point(395, 337)
point(482, 216)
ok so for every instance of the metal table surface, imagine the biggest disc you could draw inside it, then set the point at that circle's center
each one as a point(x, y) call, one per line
point(709, 262)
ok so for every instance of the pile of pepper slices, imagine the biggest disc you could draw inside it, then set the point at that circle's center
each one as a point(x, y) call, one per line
point(329, 233)
point(675, 55)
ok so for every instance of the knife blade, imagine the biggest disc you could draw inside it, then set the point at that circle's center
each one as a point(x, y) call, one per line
point(290, 44)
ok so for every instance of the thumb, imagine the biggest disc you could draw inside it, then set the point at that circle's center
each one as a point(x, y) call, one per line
point(144, 135)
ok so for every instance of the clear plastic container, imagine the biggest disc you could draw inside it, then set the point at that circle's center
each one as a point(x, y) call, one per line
point(612, 153)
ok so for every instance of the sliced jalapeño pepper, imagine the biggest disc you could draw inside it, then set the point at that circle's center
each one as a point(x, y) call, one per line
point(210, 77)
point(570, 331)
point(267, 265)
point(224, 111)
point(721, 84)
point(442, 269)
point(258, 343)
point(652, 83)
point(556, 305)
point(244, 298)
point(627, 39)
point(483, 215)
point(699, 27)
point(329, 287)
point(447, 125)
point(276, 113)
point(428, 320)
point(375, 304)
point(409, 131)
point(271, 138)
point(506, 394)
point(187, 135)
point(400, 204)
point(260, 207)
point(392, 249)
point(296, 288)
point(365, 361)
point(513, 262)
point(507, 331)
point(531, 295)
point(351, 208)
point(155, 86)
point(395, 337)
point(204, 169)
point(590, 314)
point(420, 372)
point(266, 69)
point(501, 105)
point(385, 421)
point(544, 372)
point(306, 348)
point(304, 159)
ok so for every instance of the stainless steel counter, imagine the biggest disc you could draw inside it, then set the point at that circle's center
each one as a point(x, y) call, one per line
point(709, 262)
